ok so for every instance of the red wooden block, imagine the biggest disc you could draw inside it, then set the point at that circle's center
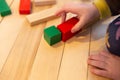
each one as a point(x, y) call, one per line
point(25, 7)
point(66, 27)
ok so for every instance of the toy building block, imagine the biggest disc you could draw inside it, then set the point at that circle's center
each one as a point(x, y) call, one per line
point(52, 35)
point(44, 2)
point(25, 7)
point(41, 16)
point(4, 8)
point(66, 27)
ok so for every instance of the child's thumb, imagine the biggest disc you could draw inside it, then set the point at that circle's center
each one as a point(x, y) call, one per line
point(77, 27)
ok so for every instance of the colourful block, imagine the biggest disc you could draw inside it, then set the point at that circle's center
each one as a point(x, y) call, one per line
point(4, 8)
point(25, 7)
point(52, 35)
point(66, 27)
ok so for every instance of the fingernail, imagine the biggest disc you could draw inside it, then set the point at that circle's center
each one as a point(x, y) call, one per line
point(72, 31)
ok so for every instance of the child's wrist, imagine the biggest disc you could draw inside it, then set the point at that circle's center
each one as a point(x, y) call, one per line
point(97, 14)
point(103, 8)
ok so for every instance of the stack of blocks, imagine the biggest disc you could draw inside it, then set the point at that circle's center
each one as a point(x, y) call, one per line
point(62, 32)
point(4, 8)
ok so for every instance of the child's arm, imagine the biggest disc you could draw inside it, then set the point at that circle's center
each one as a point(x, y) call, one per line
point(107, 7)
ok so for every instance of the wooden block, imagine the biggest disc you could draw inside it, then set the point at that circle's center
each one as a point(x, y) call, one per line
point(4, 8)
point(44, 2)
point(52, 35)
point(41, 16)
point(25, 7)
point(66, 27)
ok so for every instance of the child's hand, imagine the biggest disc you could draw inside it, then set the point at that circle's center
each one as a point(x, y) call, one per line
point(106, 65)
point(85, 12)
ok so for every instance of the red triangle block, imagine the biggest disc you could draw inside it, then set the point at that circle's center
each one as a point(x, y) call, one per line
point(25, 7)
point(66, 27)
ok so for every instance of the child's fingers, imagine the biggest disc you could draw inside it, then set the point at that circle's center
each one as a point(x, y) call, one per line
point(63, 17)
point(97, 57)
point(59, 12)
point(100, 72)
point(98, 64)
point(63, 9)
point(104, 53)
point(78, 26)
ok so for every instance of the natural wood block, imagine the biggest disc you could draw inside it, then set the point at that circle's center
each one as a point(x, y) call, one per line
point(4, 8)
point(41, 16)
point(52, 35)
point(25, 7)
point(66, 27)
point(44, 2)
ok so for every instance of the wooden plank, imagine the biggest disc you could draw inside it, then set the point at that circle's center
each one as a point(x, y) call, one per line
point(41, 16)
point(74, 62)
point(44, 2)
point(9, 28)
point(21, 56)
point(98, 38)
point(48, 58)
point(20, 60)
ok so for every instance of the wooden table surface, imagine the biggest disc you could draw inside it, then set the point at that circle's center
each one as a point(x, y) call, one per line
point(25, 55)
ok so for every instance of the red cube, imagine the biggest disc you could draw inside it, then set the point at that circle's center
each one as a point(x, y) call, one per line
point(66, 27)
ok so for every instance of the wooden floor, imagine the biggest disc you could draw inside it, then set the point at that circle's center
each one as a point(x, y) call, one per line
point(25, 55)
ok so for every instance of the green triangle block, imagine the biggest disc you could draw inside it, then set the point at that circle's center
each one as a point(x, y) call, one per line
point(4, 8)
point(52, 35)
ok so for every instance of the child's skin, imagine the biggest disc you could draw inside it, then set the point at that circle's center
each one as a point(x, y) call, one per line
point(85, 13)
point(108, 65)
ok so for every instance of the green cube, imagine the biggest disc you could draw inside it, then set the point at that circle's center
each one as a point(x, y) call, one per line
point(4, 8)
point(52, 35)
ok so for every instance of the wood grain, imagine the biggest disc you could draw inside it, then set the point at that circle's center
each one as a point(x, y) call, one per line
point(19, 62)
point(74, 62)
point(44, 2)
point(25, 55)
point(48, 58)
point(9, 28)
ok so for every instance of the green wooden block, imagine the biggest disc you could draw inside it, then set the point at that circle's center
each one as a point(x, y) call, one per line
point(52, 35)
point(4, 8)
